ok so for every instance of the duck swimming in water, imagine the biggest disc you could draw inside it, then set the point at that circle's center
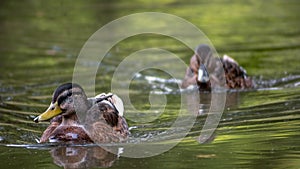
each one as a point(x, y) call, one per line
point(103, 123)
point(207, 71)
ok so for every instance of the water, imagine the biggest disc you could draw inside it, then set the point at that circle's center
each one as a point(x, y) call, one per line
point(259, 128)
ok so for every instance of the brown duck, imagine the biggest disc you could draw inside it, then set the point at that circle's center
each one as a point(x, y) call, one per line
point(104, 121)
point(207, 71)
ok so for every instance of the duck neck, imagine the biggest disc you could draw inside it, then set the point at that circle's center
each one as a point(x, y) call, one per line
point(70, 119)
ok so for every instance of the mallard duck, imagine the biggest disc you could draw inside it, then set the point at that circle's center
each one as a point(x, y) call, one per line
point(104, 116)
point(203, 62)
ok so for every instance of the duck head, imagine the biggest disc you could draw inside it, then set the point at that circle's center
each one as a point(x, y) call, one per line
point(203, 55)
point(64, 99)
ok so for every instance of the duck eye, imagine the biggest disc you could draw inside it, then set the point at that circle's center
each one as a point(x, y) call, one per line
point(52, 108)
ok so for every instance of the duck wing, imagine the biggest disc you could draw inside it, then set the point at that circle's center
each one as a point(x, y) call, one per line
point(235, 75)
point(104, 122)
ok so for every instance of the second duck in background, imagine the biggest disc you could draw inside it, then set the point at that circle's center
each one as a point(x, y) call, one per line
point(205, 70)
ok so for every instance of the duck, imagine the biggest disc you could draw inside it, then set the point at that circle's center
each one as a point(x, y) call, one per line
point(76, 118)
point(207, 71)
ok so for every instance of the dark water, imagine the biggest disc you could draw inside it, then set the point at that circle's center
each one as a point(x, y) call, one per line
point(259, 128)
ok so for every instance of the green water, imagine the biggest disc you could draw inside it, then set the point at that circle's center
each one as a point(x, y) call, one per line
point(41, 40)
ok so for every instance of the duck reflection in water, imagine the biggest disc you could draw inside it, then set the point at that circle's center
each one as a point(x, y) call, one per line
point(84, 156)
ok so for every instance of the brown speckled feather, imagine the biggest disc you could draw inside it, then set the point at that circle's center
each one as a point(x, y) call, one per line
point(104, 125)
point(109, 114)
point(64, 133)
point(54, 123)
point(235, 76)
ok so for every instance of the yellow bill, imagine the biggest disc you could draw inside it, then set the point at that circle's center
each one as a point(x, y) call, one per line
point(52, 111)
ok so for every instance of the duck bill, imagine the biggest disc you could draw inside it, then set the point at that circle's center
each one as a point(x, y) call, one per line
point(203, 76)
point(52, 111)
